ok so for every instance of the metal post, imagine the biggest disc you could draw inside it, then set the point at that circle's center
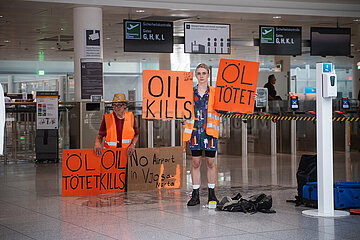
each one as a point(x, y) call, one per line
point(293, 136)
point(173, 133)
point(244, 143)
point(150, 134)
point(273, 137)
point(347, 136)
point(274, 174)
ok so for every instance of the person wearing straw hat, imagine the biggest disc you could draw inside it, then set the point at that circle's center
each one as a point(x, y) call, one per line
point(118, 127)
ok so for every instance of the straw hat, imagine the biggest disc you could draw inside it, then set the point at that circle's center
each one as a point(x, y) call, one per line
point(119, 97)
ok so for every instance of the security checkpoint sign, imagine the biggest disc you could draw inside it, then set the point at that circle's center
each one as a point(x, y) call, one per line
point(236, 85)
point(168, 95)
point(84, 173)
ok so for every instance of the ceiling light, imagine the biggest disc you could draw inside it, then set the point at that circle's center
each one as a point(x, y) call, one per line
point(356, 20)
point(61, 29)
point(140, 11)
point(1, 16)
point(6, 41)
point(276, 17)
point(108, 38)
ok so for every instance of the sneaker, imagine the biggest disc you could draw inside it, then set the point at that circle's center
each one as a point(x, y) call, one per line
point(195, 199)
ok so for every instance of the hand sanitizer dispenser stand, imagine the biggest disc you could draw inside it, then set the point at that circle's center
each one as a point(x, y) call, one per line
point(326, 89)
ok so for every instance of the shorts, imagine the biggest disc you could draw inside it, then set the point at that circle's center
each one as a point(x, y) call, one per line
point(198, 153)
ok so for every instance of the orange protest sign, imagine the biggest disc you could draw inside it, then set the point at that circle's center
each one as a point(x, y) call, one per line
point(167, 95)
point(84, 173)
point(236, 85)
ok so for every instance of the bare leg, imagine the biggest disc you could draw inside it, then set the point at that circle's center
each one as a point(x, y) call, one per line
point(195, 170)
point(211, 170)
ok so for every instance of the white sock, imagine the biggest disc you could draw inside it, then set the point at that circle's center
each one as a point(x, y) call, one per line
point(211, 185)
point(196, 187)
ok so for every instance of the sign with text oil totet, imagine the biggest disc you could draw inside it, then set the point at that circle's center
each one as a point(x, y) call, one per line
point(146, 36)
point(236, 85)
point(168, 95)
point(84, 173)
point(280, 40)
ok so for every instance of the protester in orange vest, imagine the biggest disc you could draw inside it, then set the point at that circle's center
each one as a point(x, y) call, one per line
point(202, 134)
point(118, 127)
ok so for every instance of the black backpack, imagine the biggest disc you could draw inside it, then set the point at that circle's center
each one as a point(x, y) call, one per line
point(307, 172)
point(256, 203)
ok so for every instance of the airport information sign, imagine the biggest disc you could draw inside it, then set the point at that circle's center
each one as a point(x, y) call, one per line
point(280, 40)
point(146, 36)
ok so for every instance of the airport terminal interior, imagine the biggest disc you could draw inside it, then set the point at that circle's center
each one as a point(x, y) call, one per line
point(45, 45)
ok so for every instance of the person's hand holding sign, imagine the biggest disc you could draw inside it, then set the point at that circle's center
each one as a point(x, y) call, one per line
point(131, 149)
point(98, 147)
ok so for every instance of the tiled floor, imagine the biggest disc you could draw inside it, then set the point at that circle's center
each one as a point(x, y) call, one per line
point(31, 206)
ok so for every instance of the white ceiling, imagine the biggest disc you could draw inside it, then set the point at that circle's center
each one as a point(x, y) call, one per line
point(24, 23)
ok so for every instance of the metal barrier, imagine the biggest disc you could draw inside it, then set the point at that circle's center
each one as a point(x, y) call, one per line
point(239, 133)
point(20, 131)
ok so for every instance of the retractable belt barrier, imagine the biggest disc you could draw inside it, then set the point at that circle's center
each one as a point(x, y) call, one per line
point(287, 118)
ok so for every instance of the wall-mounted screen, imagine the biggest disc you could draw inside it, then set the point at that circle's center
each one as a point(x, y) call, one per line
point(330, 41)
point(205, 38)
point(146, 36)
point(280, 40)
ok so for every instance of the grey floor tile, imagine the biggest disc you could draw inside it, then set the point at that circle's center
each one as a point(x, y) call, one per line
point(8, 234)
point(238, 237)
point(297, 234)
point(350, 230)
point(206, 230)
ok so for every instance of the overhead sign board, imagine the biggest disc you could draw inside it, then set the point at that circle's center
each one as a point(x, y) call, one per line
point(280, 40)
point(146, 36)
point(207, 38)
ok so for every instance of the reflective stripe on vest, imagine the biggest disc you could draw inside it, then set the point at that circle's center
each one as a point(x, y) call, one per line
point(128, 131)
point(126, 140)
point(212, 123)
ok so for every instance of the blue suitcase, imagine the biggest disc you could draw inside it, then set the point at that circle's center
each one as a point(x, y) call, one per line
point(346, 194)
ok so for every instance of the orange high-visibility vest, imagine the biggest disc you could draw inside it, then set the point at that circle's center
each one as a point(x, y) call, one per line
point(128, 131)
point(212, 123)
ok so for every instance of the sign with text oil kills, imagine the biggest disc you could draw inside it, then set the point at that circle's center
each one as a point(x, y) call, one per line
point(168, 95)
point(236, 85)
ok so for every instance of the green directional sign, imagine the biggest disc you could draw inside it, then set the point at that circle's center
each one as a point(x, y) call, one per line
point(133, 30)
point(267, 35)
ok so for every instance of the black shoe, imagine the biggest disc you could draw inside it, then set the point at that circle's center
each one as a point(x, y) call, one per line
point(195, 200)
point(212, 196)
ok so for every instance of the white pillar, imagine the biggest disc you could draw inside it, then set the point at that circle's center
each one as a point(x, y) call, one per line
point(10, 84)
point(324, 144)
point(84, 18)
